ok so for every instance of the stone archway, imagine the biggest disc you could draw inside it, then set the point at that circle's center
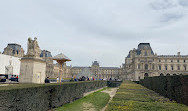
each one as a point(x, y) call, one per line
point(146, 75)
point(161, 74)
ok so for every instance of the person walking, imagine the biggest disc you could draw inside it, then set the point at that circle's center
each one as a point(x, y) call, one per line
point(47, 80)
point(57, 79)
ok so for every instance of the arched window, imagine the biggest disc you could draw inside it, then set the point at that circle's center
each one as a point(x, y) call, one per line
point(159, 67)
point(185, 67)
point(166, 68)
point(161, 74)
point(168, 74)
point(139, 78)
point(138, 66)
point(178, 67)
point(174, 74)
point(172, 67)
point(153, 67)
point(146, 66)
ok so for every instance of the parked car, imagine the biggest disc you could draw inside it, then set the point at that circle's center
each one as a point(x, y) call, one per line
point(2, 79)
point(13, 79)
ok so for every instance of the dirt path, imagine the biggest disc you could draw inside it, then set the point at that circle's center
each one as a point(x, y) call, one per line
point(112, 93)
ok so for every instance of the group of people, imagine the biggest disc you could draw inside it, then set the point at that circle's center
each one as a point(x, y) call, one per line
point(83, 78)
point(14, 78)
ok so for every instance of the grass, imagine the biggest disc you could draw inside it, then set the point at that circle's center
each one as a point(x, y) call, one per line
point(95, 101)
point(134, 97)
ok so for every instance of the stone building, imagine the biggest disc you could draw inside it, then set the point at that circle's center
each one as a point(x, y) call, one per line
point(100, 72)
point(46, 55)
point(142, 62)
point(14, 50)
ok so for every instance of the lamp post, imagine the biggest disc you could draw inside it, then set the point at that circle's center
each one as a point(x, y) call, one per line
point(61, 59)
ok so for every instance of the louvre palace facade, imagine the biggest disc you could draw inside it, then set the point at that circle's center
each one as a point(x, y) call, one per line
point(142, 62)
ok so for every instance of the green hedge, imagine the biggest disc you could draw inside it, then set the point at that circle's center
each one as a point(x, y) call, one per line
point(34, 97)
point(173, 87)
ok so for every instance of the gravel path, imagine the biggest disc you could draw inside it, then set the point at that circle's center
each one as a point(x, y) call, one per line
point(112, 93)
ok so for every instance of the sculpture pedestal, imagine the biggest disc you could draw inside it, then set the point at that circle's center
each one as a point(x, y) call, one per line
point(32, 70)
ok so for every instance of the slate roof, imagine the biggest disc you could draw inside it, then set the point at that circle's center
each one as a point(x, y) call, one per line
point(47, 53)
point(110, 68)
point(141, 46)
point(14, 46)
point(95, 63)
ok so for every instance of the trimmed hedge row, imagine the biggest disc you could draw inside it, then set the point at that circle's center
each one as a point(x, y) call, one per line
point(44, 97)
point(135, 97)
point(173, 87)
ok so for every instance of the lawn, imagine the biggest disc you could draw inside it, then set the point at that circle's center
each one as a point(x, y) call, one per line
point(93, 102)
point(134, 97)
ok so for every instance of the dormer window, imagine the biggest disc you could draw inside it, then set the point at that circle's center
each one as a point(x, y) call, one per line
point(146, 54)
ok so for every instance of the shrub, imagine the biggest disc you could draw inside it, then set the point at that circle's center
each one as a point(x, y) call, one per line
point(174, 87)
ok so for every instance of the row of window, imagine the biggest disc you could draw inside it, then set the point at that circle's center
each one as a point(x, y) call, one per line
point(169, 61)
point(173, 60)
point(172, 67)
point(160, 67)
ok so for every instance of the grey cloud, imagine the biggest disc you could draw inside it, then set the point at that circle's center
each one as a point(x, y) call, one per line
point(164, 4)
point(171, 17)
point(183, 3)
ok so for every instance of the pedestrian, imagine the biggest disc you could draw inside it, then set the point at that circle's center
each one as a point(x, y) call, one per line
point(17, 78)
point(57, 79)
point(47, 80)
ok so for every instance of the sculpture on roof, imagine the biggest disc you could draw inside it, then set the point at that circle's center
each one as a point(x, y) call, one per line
point(33, 49)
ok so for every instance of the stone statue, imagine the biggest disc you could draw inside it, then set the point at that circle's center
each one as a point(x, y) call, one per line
point(9, 68)
point(33, 49)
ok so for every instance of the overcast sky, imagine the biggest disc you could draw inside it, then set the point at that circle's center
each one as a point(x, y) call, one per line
point(102, 30)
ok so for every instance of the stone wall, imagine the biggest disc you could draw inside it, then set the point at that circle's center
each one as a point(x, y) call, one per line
point(42, 97)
